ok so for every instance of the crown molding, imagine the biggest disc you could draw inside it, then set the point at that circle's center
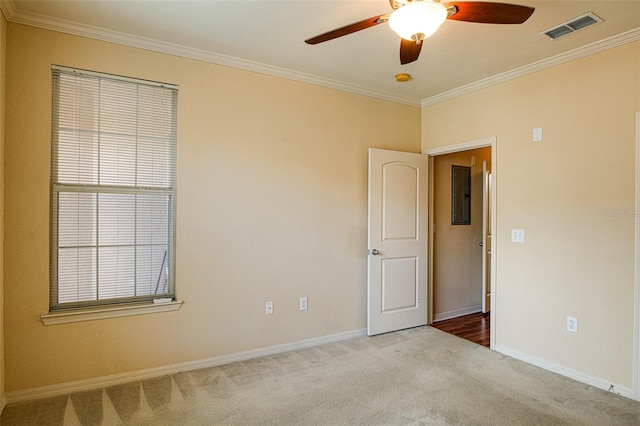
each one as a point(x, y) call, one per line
point(74, 28)
point(590, 49)
point(8, 9)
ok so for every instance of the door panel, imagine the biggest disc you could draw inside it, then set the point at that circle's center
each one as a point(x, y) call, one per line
point(399, 284)
point(397, 241)
point(400, 186)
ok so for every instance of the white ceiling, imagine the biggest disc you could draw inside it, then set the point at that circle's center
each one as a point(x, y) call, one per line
point(268, 36)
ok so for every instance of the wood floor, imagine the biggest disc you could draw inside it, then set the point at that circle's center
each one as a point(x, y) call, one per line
point(473, 327)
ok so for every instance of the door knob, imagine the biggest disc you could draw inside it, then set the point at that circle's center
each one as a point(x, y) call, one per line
point(375, 252)
point(480, 244)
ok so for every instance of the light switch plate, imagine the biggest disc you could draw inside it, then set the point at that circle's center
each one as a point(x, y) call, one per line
point(537, 134)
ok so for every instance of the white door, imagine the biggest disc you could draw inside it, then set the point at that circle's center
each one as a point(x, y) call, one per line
point(486, 239)
point(397, 241)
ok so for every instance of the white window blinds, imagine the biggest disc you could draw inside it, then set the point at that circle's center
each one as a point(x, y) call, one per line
point(113, 177)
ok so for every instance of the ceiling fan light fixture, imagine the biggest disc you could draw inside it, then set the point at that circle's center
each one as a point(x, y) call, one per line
point(418, 20)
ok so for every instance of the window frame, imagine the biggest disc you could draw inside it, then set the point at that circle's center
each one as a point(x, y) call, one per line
point(115, 306)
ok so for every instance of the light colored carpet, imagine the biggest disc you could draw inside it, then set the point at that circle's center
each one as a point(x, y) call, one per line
point(420, 376)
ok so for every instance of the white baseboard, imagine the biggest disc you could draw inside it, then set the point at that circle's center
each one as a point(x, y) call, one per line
point(133, 376)
point(457, 313)
point(567, 372)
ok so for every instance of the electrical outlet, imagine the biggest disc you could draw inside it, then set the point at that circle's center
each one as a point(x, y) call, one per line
point(517, 235)
point(268, 308)
point(303, 303)
point(572, 324)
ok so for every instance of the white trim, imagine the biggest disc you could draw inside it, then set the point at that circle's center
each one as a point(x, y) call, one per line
point(115, 379)
point(7, 8)
point(457, 313)
point(636, 306)
point(65, 317)
point(97, 33)
point(464, 146)
point(431, 230)
point(494, 242)
point(590, 49)
point(567, 372)
point(117, 37)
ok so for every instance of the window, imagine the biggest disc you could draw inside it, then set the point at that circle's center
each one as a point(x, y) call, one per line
point(113, 190)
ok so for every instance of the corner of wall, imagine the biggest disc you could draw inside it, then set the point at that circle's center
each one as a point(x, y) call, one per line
point(3, 56)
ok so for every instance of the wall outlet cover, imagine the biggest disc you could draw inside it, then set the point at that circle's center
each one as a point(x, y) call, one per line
point(517, 235)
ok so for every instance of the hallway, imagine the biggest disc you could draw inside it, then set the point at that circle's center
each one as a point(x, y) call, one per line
point(473, 327)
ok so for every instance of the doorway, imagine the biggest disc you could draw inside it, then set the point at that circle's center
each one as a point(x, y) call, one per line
point(475, 328)
point(461, 250)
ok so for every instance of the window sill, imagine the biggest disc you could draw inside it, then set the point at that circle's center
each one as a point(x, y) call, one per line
point(108, 312)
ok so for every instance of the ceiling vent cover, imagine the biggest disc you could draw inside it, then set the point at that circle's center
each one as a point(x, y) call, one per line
point(572, 26)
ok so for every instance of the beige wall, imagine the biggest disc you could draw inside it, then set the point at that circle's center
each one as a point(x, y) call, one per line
point(457, 255)
point(3, 56)
point(578, 258)
point(272, 206)
point(272, 187)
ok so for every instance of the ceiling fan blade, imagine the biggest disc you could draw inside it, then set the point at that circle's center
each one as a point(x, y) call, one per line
point(409, 51)
point(348, 29)
point(489, 13)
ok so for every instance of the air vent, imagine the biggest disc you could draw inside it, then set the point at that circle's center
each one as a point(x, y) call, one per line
point(572, 26)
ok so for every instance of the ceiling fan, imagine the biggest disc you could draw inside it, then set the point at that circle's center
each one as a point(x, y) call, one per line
point(415, 20)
